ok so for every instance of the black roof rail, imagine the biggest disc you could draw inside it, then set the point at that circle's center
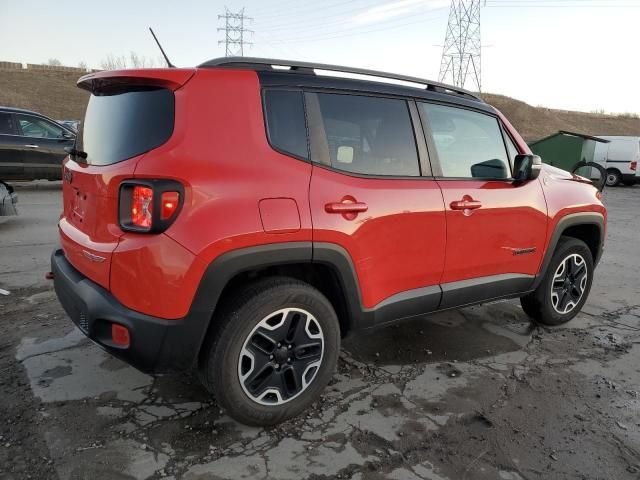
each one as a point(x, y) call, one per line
point(256, 63)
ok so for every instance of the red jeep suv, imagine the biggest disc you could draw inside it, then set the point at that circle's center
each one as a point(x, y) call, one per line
point(241, 217)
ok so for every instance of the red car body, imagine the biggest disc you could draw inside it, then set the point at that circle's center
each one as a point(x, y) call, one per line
point(249, 209)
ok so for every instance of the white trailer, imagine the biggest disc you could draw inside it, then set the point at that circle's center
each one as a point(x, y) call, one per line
point(620, 157)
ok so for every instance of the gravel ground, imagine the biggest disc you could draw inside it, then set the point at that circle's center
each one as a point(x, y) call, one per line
point(475, 394)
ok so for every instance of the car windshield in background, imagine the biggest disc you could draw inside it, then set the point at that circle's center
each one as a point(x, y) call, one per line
point(126, 124)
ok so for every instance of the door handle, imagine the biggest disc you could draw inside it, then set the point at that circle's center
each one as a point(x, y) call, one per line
point(467, 203)
point(346, 207)
point(32, 146)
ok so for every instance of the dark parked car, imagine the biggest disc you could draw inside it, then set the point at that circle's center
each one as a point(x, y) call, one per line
point(32, 146)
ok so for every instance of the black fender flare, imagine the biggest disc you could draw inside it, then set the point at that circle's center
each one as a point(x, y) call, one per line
point(225, 267)
point(332, 256)
point(571, 220)
point(185, 343)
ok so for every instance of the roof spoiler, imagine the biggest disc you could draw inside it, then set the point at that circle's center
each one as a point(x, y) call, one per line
point(111, 81)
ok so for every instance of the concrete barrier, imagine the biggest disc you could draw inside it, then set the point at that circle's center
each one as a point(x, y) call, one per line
point(55, 68)
point(10, 66)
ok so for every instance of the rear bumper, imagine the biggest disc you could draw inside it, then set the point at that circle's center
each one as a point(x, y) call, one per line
point(156, 345)
point(630, 178)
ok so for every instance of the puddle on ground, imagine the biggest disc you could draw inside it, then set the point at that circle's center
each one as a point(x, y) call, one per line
point(462, 335)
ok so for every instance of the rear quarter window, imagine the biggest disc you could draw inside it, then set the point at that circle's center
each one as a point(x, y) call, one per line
point(124, 124)
point(286, 127)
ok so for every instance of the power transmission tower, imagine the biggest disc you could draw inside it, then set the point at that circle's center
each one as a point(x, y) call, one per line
point(234, 32)
point(462, 47)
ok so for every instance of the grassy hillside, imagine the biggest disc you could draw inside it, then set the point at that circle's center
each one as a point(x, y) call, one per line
point(55, 94)
point(537, 122)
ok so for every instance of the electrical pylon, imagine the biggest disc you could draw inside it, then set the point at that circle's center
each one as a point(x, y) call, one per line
point(234, 32)
point(461, 53)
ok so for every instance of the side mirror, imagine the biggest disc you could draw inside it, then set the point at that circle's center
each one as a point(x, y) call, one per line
point(526, 167)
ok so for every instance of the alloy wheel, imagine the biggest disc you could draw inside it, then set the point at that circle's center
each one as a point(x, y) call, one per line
point(568, 284)
point(281, 356)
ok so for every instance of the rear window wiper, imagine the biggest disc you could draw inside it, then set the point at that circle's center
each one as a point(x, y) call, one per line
point(77, 154)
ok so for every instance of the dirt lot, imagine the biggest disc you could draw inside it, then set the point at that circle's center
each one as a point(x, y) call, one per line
point(474, 394)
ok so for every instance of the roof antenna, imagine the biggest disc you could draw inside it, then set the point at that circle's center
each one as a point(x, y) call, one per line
point(169, 64)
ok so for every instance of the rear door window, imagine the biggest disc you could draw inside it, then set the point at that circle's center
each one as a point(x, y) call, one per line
point(7, 124)
point(124, 124)
point(367, 135)
point(469, 143)
point(286, 126)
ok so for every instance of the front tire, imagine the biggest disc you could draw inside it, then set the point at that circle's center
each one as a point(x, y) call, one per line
point(275, 351)
point(565, 286)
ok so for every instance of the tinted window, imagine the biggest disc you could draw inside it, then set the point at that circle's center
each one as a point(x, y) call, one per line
point(7, 126)
point(37, 127)
point(285, 121)
point(369, 135)
point(469, 144)
point(126, 124)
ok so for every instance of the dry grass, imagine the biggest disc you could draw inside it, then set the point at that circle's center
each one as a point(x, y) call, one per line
point(55, 94)
point(534, 123)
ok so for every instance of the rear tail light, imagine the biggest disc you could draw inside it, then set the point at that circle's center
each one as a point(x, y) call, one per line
point(142, 207)
point(634, 165)
point(149, 206)
point(169, 202)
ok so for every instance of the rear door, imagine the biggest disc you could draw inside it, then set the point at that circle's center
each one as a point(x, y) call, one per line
point(44, 144)
point(11, 155)
point(496, 227)
point(372, 194)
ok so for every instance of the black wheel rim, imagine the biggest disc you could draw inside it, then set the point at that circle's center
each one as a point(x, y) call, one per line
point(281, 356)
point(569, 283)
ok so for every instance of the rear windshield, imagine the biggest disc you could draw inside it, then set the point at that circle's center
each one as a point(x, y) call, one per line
point(125, 124)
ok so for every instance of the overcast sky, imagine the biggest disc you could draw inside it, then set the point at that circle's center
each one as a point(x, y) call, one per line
point(573, 54)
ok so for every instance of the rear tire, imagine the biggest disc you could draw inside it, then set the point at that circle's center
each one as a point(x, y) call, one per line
point(614, 177)
point(565, 286)
point(275, 351)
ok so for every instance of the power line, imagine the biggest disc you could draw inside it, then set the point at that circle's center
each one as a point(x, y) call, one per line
point(462, 47)
point(341, 24)
point(333, 16)
point(306, 9)
point(341, 33)
point(559, 4)
point(234, 32)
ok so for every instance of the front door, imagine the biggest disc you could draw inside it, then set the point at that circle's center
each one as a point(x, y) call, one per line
point(496, 227)
point(43, 143)
point(372, 195)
